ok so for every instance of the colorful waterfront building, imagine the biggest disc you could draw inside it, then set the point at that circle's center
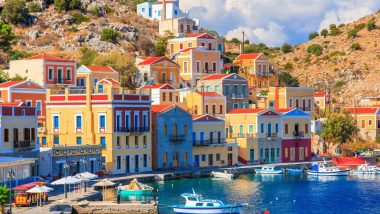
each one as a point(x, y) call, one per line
point(162, 94)
point(320, 100)
point(153, 10)
point(295, 135)
point(200, 103)
point(18, 128)
point(159, 70)
point(192, 40)
point(257, 132)
point(367, 120)
point(370, 101)
point(117, 121)
point(94, 74)
point(198, 62)
point(171, 137)
point(209, 143)
point(48, 71)
point(232, 86)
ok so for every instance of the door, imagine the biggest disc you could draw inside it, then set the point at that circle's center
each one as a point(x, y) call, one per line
point(252, 155)
point(292, 154)
point(92, 166)
point(175, 159)
point(82, 82)
point(202, 138)
point(301, 154)
point(266, 155)
point(136, 163)
point(272, 155)
point(269, 129)
point(127, 165)
point(59, 76)
point(241, 132)
point(15, 137)
point(210, 159)
point(229, 158)
point(210, 46)
point(100, 88)
point(196, 160)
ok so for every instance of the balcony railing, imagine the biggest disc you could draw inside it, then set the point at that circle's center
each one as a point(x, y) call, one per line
point(237, 96)
point(132, 130)
point(271, 135)
point(177, 138)
point(22, 144)
point(241, 135)
point(208, 142)
point(298, 134)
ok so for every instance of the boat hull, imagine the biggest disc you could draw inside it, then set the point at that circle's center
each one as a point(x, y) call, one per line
point(360, 172)
point(223, 175)
point(196, 210)
point(336, 173)
point(263, 172)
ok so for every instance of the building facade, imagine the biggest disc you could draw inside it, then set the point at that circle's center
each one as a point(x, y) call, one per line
point(153, 10)
point(200, 103)
point(320, 100)
point(48, 71)
point(94, 74)
point(367, 120)
point(232, 86)
point(171, 138)
point(192, 40)
point(162, 94)
point(209, 143)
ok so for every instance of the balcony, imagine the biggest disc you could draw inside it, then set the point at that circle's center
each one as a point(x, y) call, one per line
point(137, 130)
point(177, 138)
point(241, 135)
point(208, 142)
point(22, 144)
point(41, 129)
point(298, 134)
point(271, 136)
point(237, 96)
point(63, 81)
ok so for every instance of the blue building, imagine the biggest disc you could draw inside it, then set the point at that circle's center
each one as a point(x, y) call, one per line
point(171, 137)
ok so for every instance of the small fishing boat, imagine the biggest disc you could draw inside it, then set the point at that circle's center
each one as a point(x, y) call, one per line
point(196, 204)
point(230, 174)
point(268, 170)
point(295, 171)
point(322, 169)
point(135, 191)
point(366, 169)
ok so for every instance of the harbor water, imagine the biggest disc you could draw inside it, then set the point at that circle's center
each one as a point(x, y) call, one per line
point(280, 193)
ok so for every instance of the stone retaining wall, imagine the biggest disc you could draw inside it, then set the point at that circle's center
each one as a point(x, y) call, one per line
point(113, 208)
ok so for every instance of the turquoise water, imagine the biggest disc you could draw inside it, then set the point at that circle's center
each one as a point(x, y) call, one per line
point(281, 193)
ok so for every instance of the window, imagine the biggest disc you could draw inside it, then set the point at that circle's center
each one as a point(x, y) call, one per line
point(198, 66)
point(164, 96)
point(145, 160)
point(189, 44)
point(278, 152)
point(102, 121)
point(226, 89)
point(127, 142)
point(118, 162)
point(297, 103)
point(6, 135)
point(79, 140)
point(136, 141)
point(56, 139)
point(235, 90)
point(220, 109)
point(50, 74)
point(217, 157)
point(44, 141)
point(39, 107)
point(206, 67)
point(250, 129)
point(370, 122)
point(271, 104)
point(68, 74)
point(378, 124)
point(195, 109)
point(262, 128)
point(243, 91)
point(118, 142)
point(213, 109)
point(95, 80)
point(217, 88)
point(29, 103)
point(306, 151)
point(33, 133)
point(143, 9)
point(206, 109)
point(185, 68)
point(286, 129)
point(214, 66)
point(276, 127)
point(306, 128)
point(170, 96)
point(203, 157)
point(291, 103)
point(286, 152)
point(56, 122)
point(363, 124)
point(103, 142)
point(208, 88)
point(78, 121)
point(261, 153)
point(184, 129)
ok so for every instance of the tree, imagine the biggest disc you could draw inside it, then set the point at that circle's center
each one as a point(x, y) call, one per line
point(315, 49)
point(338, 129)
point(60, 5)
point(4, 77)
point(351, 34)
point(356, 47)
point(235, 41)
point(286, 48)
point(109, 35)
point(161, 44)
point(125, 65)
point(286, 79)
point(324, 33)
point(15, 11)
point(87, 55)
point(4, 197)
point(313, 35)
point(18, 77)
point(6, 36)
point(371, 24)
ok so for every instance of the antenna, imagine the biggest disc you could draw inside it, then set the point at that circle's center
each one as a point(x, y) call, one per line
point(193, 191)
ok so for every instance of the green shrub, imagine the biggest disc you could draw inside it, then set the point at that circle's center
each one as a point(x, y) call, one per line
point(313, 35)
point(356, 47)
point(73, 29)
point(87, 55)
point(108, 9)
point(324, 33)
point(6, 36)
point(16, 54)
point(288, 66)
point(95, 10)
point(341, 25)
point(235, 41)
point(296, 59)
point(339, 84)
point(332, 27)
point(61, 5)
point(371, 24)
point(359, 27)
point(337, 54)
point(308, 58)
point(15, 11)
point(33, 7)
point(109, 35)
point(351, 34)
point(315, 49)
point(335, 32)
point(286, 48)
point(79, 18)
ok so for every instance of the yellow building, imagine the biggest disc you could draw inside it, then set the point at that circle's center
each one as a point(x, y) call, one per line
point(199, 103)
point(94, 74)
point(118, 121)
point(198, 62)
point(209, 143)
point(194, 40)
point(257, 132)
point(320, 100)
point(160, 70)
point(368, 121)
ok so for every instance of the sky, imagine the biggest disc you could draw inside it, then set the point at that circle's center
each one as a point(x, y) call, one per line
point(275, 22)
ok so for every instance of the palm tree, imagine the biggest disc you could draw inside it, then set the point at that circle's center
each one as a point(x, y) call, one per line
point(4, 197)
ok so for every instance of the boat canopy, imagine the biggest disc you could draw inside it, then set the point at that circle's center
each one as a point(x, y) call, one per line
point(135, 185)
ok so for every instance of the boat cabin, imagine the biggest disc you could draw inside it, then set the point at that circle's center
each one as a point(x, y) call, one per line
point(267, 168)
point(195, 200)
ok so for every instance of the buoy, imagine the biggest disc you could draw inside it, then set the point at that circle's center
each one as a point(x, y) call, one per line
point(266, 212)
point(276, 198)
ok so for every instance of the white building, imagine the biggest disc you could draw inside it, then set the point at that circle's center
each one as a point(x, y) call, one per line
point(153, 10)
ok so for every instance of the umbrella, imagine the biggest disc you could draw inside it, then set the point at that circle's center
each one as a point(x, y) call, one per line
point(88, 175)
point(39, 189)
point(104, 183)
point(67, 180)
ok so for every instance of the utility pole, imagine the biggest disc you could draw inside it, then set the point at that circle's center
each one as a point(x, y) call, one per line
point(242, 46)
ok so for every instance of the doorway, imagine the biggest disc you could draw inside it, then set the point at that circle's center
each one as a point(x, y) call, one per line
point(127, 164)
point(136, 163)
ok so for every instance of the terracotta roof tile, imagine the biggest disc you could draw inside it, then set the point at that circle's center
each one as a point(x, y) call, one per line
point(205, 118)
point(248, 56)
point(188, 49)
point(246, 111)
point(209, 94)
point(49, 58)
point(215, 76)
point(362, 110)
point(100, 68)
point(160, 108)
point(10, 83)
point(319, 94)
point(284, 110)
point(167, 86)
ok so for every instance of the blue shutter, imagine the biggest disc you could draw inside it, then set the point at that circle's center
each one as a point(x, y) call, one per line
point(79, 140)
point(79, 122)
point(102, 121)
point(56, 122)
point(103, 142)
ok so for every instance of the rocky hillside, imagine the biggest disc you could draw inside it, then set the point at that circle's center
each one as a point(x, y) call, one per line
point(63, 33)
point(347, 63)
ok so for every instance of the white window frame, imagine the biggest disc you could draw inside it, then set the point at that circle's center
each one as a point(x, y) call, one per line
point(128, 121)
point(60, 68)
point(105, 122)
point(76, 124)
point(119, 113)
point(138, 119)
point(253, 128)
point(52, 124)
point(52, 75)
point(145, 113)
point(263, 130)
point(68, 71)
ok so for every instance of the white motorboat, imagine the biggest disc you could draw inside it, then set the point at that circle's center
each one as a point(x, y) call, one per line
point(322, 169)
point(196, 204)
point(230, 174)
point(366, 169)
point(268, 170)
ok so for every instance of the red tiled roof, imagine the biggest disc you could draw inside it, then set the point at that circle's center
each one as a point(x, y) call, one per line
point(188, 49)
point(248, 56)
point(246, 111)
point(109, 80)
point(191, 35)
point(284, 110)
point(160, 108)
point(49, 58)
point(215, 76)
point(158, 86)
point(319, 94)
point(150, 60)
point(100, 68)
point(362, 110)
point(227, 65)
point(205, 118)
point(167, 1)
point(12, 104)
point(209, 94)
point(199, 35)
point(10, 83)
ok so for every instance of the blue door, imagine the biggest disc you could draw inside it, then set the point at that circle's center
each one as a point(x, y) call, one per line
point(194, 138)
point(196, 160)
point(92, 166)
point(127, 164)
point(81, 82)
point(269, 129)
point(252, 156)
point(136, 163)
point(202, 138)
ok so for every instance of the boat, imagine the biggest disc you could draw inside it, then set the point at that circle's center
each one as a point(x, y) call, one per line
point(322, 169)
point(366, 169)
point(268, 170)
point(230, 174)
point(135, 191)
point(196, 204)
point(295, 171)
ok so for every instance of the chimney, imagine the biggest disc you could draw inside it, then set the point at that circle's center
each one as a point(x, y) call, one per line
point(163, 11)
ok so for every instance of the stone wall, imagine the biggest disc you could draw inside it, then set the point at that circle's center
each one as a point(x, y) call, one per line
point(113, 208)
